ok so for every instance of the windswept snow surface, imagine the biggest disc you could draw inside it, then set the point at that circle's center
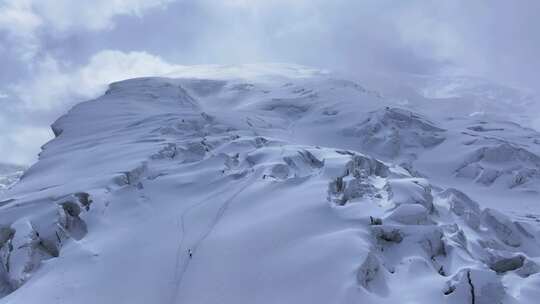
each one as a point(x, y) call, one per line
point(273, 184)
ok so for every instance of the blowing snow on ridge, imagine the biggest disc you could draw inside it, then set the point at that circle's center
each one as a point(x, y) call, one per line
point(273, 184)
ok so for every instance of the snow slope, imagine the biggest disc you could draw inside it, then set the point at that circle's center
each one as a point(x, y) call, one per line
point(285, 185)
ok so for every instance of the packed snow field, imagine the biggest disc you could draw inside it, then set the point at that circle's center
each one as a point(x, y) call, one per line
point(275, 184)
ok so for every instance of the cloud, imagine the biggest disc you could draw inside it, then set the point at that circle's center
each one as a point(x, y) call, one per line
point(23, 22)
point(18, 24)
point(493, 39)
point(348, 35)
point(20, 143)
point(54, 85)
point(37, 84)
point(68, 15)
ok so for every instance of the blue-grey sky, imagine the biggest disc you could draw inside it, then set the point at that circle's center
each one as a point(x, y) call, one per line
point(54, 53)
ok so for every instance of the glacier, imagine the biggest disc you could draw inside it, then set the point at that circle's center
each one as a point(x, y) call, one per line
point(276, 184)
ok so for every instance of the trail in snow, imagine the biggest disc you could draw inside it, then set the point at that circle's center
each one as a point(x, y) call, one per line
point(183, 251)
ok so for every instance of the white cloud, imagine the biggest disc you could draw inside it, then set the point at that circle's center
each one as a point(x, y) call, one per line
point(442, 40)
point(22, 21)
point(55, 85)
point(65, 15)
point(17, 141)
point(109, 65)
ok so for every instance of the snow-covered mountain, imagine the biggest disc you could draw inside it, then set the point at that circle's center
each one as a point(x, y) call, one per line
point(274, 184)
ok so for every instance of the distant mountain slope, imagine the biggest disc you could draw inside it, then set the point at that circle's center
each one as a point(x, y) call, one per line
point(9, 174)
point(273, 184)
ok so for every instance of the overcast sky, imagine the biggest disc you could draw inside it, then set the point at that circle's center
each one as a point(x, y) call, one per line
point(54, 53)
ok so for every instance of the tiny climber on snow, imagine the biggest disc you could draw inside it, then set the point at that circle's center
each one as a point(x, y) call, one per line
point(190, 253)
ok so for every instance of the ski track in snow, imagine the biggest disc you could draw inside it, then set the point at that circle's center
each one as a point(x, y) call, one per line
point(181, 269)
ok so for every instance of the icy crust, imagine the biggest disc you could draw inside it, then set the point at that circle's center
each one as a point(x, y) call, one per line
point(192, 182)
